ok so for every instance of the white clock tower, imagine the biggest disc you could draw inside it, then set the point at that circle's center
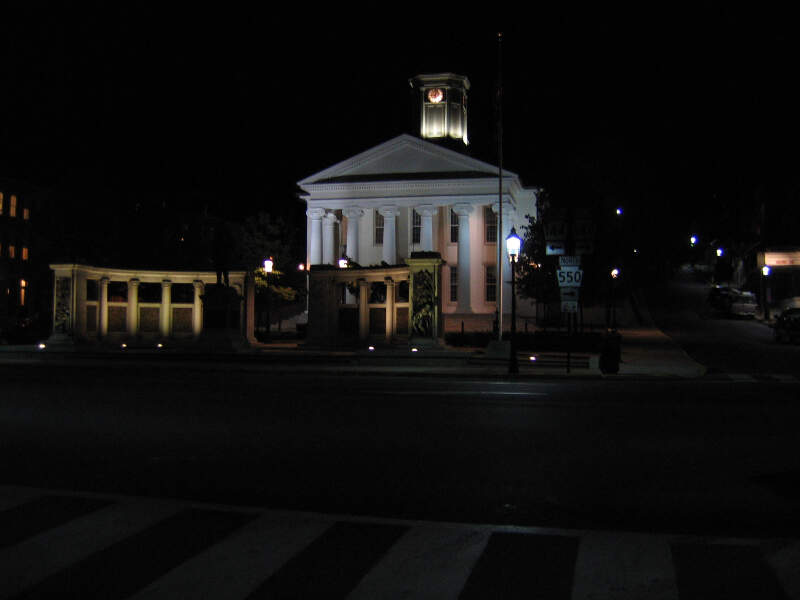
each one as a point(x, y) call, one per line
point(443, 106)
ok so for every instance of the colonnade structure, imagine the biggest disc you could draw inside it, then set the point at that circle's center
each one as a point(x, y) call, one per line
point(409, 195)
point(106, 304)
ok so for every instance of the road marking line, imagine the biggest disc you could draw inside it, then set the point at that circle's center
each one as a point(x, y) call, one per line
point(624, 567)
point(236, 566)
point(462, 393)
point(31, 561)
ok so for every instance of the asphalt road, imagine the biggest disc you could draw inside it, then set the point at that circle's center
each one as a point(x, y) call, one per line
point(723, 344)
point(697, 456)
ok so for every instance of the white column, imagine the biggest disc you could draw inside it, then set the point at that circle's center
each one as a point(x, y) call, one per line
point(328, 239)
point(426, 213)
point(464, 264)
point(508, 222)
point(389, 308)
point(166, 307)
point(389, 214)
point(315, 234)
point(353, 215)
point(103, 308)
point(133, 306)
point(197, 308)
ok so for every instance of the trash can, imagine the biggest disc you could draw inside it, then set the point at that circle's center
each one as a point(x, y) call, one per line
point(610, 353)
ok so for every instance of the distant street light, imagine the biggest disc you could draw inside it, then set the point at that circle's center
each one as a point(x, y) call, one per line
point(343, 262)
point(513, 244)
point(614, 273)
point(619, 211)
point(720, 252)
point(693, 240)
point(268, 263)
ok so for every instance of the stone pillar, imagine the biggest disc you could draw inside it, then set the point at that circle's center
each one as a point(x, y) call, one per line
point(389, 214)
point(389, 308)
point(328, 240)
point(250, 308)
point(315, 235)
point(79, 293)
point(197, 308)
point(464, 263)
point(102, 326)
point(165, 313)
point(133, 307)
point(426, 213)
point(353, 215)
point(508, 222)
point(363, 309)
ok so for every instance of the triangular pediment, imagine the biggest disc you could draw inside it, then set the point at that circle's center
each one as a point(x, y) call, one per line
point(404, 158)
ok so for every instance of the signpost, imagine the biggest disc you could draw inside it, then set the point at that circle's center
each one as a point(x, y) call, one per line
point(570, 278)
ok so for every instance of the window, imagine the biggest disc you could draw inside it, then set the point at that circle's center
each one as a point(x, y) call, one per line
point(1, 203)
point(378, 229)
point(453, 227)
point(24, 253)
point(491, 283)
point(490, 223)
point(416, 227)
point(453, 284)
point(12, 251)
point(12, 206)
point(26, 213)
point(23, 286)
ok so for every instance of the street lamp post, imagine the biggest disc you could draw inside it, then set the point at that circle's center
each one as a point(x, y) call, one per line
point(267, 270)
point(513, 243)
point(614, 275)
point(765, 271)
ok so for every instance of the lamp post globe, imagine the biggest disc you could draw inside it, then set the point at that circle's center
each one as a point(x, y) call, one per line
point(268, 264)
point(513, 245)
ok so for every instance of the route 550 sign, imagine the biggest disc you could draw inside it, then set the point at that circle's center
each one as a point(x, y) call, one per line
point(570, 277)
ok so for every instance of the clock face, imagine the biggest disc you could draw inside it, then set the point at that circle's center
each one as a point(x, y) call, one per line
point(435, 95)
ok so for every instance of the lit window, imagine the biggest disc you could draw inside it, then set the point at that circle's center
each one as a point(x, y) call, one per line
point(453, 227)
point(12, 206)
point(416, 227)
point(378, 229)
point(453, 284)
point(490, 221)
point(23, 285)
point(12, 252)
point(24, 253)
point(491, 283)
point(26, 213)
point(1, 203)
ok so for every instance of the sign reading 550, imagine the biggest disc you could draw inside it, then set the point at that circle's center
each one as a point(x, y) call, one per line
point(570, 277)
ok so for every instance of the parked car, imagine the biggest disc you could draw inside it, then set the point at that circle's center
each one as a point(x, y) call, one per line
point(732, 301)
point(742, 304)
point(787, 326)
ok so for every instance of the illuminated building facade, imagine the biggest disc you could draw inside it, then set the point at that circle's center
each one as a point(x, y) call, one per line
point(412, 194)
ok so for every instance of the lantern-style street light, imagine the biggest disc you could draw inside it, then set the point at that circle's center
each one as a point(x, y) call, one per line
point(513, 245)
point(765, 271)
point(268, 263)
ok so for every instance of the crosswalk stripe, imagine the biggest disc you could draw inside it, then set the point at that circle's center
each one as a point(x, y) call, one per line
point(234, 567)
point(333, 564)
point(429, 561)
point(785, 562)
point(43, 513)
point(125, 567)
point(40, 556)
point(624, 567)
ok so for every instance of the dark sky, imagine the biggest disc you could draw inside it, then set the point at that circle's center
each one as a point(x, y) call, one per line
point(241, 105)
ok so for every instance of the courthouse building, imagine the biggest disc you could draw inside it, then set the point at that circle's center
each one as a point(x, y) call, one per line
point(418, 194)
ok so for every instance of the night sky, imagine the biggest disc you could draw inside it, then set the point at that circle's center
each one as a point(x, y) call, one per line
point(685, 114)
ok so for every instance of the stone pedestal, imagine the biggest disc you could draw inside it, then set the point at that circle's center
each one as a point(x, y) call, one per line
point(222, 331)
point(425, 274)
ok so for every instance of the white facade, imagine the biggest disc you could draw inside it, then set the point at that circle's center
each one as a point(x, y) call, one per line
point(410, 195)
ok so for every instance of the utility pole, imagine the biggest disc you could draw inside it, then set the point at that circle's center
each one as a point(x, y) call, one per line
point(499, 236)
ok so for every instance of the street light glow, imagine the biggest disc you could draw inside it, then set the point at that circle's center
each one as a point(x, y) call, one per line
point(765, 270)
point(513, 244)
point(343, 262)
point(614, 273)
point(720, 252)
point(268, 265)
point(619, 210)
point(693, 240)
